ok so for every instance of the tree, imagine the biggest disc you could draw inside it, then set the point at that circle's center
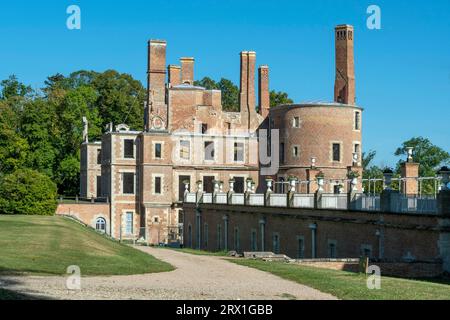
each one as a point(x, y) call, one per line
point(11, 87)
point(279, 98)
point(230, 92)
point(429, 156)
point(28, 192)
point(68, 176)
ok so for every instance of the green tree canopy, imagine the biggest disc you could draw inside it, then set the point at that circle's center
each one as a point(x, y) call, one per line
point(279, 98)
point(28, 192)
point(429, 156)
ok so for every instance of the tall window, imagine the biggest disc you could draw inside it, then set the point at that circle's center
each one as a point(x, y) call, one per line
point(254, 241)
point(209, 150)
point(282, 152)
point(336, 152)
point(128, 150)
point(204, 128)
point(181, 187)
point(157, 185)
point(128, 183)
point(208, 185)
point(100, 225)
point(276, 243)
point(238, 151)
point(185, 149)
point(300, 248)
point(99, 156)
point(296, 122)
point(158, 150)
point(357, 148)
point(295, 152)
point(129, 223)
point(357, 120)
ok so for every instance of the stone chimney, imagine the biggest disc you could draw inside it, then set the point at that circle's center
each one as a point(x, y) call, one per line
point(344, 87)
point(247, 90)
point(263, 91)
point(174, 75)
point(187, 70)
point(156, 80)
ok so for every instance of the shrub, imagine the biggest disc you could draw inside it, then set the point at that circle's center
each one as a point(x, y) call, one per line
point(27, 192)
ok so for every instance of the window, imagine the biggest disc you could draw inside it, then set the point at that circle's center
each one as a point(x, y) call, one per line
point(282, 152)
point(357, 120)
point(236, 240)
point(185, 149)
point(300, 247)
point(180, 216)
point(238, 151)
point(204, 128)
point(357, 148)
point(205, 236)
point(238, 184)
point(209, 150)
point(129, 223)
point(228, 126)
point(99, 156)
point(295, 152)
point(296, 122)
point(336, 152)
point(157, 185)
point(158, 150)
point(208, 185)
point(128, 183)
point(332, 250)
point(156, 219)
point(181, 187)
point(100, 225)
point(254, 241)
point(276, 243)
point(128, 150)
point(99, 186)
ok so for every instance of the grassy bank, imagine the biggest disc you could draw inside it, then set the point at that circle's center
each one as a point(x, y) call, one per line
point(48, 245)
point(352, 286)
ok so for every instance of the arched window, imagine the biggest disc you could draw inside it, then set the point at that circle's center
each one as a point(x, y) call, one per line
point(100, 225)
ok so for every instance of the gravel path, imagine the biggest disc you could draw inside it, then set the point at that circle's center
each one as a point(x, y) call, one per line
point(195, 278)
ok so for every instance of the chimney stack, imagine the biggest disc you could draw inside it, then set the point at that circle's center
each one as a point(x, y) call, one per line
point(344, 87)
point(187, 70)
point(174, 75)
point(156, 80)
point(247, 90)
point(263, 91)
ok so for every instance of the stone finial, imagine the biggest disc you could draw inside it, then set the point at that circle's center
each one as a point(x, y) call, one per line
point(409, 151)
point(387, 175)
point(444, 174)
point(199, 186)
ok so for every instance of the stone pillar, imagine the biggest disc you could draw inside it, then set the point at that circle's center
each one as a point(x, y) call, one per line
point(199, 194)
point(313, 228)
point(359, 171)
point(291, 192)
point(268, 192)
point(443, 198)
point(389, 200)
point(225, 232)
point(410, 172)
point(230, 190)
point(311, 177)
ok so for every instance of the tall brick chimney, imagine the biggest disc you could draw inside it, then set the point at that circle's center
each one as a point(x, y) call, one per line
point(187, 70)
point(263, 91)
point(174, 75)
point(344, 87)
point(156, 81)
point(247, 91)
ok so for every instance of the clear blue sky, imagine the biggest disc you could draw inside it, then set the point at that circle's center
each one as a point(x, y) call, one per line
point(402, 70)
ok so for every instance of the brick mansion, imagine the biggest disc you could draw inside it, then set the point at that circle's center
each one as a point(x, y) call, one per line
point(188, 138)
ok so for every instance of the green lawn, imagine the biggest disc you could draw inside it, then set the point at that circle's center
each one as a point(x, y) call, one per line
point(48, 245)
point(352, 286)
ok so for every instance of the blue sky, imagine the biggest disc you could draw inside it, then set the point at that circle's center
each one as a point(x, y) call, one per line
point(402, 70)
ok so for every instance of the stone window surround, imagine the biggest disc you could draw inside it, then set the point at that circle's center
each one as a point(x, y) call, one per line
point(122, 148)
point(244, 149)
point(360, 149)
point(157, 175)
point(294, 124)
point(97, 216)
point(121, 172)
point(341, 153)
point(192, 185)
point(154, 143)
point(298, 151)
point(179, 149)
point(215, 151)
